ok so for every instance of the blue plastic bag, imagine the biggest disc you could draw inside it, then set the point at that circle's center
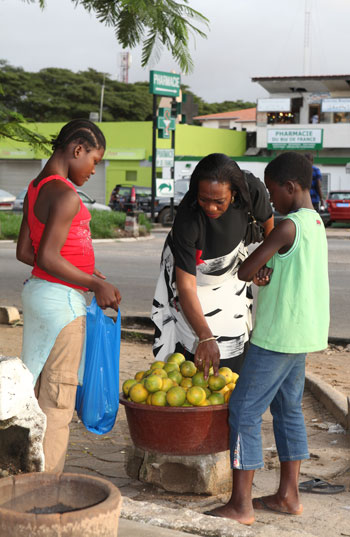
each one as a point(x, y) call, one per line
point(97, 400)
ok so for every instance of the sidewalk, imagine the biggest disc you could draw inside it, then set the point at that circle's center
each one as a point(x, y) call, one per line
point(151, 512)
point(151, 509)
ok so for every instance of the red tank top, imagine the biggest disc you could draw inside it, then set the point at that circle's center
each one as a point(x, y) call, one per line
point(77, 249)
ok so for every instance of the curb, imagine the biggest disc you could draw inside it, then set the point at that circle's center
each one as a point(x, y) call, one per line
point(334, 401)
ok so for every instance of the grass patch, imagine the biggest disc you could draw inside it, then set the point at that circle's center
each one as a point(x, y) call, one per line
point(9, 225)
point(104, 224)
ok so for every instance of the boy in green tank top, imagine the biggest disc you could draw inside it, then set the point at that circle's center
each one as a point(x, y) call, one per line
point(292, 319)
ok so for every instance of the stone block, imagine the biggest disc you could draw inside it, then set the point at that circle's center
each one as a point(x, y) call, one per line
point(196, 474)
point(22, 422)
point(9, 315)
point(131, 226)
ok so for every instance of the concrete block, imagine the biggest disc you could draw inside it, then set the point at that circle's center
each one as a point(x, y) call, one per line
point(22, 422)
point(131, 226)
point(196, 474)
point(9, 315)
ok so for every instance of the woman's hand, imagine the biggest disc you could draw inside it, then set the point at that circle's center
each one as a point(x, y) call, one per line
point(207, 355)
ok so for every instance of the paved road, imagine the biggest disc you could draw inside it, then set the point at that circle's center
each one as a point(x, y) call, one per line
point(133, 267)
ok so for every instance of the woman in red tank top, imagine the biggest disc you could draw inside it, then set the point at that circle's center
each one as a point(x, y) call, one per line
point(55, 240)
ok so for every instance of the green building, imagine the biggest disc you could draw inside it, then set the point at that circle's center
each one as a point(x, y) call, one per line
point(128, 155)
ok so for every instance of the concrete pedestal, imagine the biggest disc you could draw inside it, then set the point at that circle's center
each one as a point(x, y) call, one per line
point(132, 226)
point(196, 474)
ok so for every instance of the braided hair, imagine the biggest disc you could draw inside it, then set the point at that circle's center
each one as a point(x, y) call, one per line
point(81, 131)
point(221, 168)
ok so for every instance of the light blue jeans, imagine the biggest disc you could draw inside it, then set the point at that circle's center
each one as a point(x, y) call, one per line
point(275, 380)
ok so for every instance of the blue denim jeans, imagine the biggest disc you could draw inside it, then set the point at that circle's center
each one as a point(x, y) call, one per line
point(272, 379)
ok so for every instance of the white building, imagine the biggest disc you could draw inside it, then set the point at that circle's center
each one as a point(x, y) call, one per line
point(240, 120)
point(309, 114)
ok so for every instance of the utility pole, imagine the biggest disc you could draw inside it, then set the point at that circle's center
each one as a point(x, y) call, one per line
point(102, 97)
point(307, 20)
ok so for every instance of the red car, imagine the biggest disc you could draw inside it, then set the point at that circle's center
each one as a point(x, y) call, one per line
point(338, 204)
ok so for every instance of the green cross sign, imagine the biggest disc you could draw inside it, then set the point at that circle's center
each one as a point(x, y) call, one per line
point(165, 123)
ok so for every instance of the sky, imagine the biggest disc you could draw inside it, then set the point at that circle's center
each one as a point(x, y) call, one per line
point(247, 38)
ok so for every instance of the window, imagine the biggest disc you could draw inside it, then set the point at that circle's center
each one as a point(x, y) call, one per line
point(131, 176)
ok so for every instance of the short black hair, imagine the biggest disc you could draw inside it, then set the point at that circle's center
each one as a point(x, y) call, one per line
point(221, 168)
point(290, 166)
point(81, 131)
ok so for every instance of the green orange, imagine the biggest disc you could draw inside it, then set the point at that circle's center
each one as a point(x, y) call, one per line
point(167, 384)
point(159, 398)
point(160, 372)
point(175, 376)
point(139, 375)
point(157, 365)
point(138, 393)
point(176, 396)
point(186, 383)
point(176, 357)
point(199, 380)
point(127, 385)
point(171, 366)
point(216, 399)
point(227, 373)
point(153, 383)
point(196, 395)
point(188, 369)
point(216, 383)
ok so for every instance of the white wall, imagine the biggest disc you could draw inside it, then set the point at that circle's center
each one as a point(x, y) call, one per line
point(338, 178)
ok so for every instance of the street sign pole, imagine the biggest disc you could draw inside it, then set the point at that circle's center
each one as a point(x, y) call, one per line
point(172, 173)
point(154, 151)
point(168, 85)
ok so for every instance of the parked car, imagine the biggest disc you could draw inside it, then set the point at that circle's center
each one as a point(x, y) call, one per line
point(338, 205)
point(92, 204)
point(163, 208)
point(89, 202)
point(130, 198)
point(6, 200)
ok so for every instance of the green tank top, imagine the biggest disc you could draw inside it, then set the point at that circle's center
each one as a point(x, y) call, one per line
point(292, 313)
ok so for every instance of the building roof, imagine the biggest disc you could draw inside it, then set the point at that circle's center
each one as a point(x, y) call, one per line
point(299, 84)
point(247, 114)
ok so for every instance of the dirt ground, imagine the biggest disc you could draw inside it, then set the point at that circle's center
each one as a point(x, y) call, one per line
point(324, 516)
point(332, 365)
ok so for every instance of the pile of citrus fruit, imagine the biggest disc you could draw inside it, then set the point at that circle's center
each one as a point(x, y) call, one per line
point(178, 382)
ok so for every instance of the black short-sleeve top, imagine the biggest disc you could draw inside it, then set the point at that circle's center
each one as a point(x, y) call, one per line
point(196, 237)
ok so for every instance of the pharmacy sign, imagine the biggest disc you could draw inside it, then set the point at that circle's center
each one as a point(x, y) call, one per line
point(162, 83)
point(295, 138)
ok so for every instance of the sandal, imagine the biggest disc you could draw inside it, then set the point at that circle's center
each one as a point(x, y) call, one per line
point(318, 486)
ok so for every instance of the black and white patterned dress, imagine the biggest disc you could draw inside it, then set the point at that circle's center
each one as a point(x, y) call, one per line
point(212, 250)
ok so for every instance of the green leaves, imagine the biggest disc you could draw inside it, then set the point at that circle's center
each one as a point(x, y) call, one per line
point(154, 23)
point(14, 126)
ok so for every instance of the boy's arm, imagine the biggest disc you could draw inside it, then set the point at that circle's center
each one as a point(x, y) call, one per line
point(280, 238)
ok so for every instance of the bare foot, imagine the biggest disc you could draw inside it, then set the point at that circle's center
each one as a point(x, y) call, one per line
point(243, 517)
point(278, 505)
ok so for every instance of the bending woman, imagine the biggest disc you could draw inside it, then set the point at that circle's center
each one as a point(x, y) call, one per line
point(200, 307)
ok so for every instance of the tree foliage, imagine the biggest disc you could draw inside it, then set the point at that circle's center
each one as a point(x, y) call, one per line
point(60, 95)
point(154, 23)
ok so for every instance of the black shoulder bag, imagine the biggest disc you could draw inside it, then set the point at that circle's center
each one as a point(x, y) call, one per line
point(255, 231)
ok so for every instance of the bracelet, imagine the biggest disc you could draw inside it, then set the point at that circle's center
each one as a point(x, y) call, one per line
point(212, 338)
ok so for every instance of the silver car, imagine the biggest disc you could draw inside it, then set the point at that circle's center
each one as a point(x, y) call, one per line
point(6, 200)
point(89, 202)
